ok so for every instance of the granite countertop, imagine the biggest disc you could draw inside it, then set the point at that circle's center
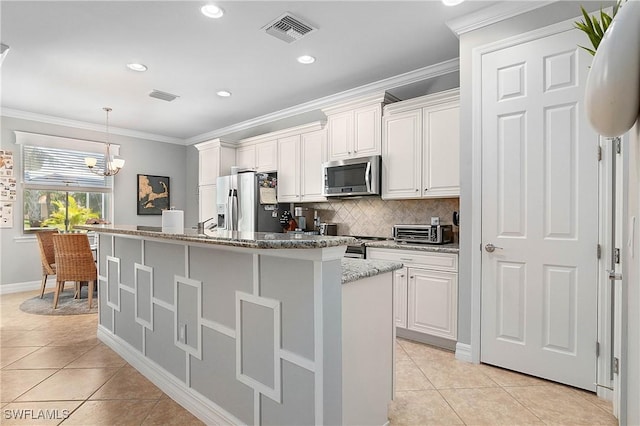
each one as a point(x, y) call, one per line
point(357, 269)
point(261, 240)
point(439, 248)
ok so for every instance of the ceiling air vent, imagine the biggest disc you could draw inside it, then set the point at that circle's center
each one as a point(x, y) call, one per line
point(288, 28)
point(163, 95)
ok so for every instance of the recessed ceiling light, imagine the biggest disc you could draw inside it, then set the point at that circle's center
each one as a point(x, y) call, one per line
point(306, 59)
point(137, 67)
point(451, 2)
point(212, 11)
point(223, 93)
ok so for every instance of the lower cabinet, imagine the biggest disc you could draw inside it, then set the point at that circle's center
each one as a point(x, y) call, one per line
point(425, 290)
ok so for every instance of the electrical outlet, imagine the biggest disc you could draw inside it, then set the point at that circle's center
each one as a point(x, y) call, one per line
point(182, 333)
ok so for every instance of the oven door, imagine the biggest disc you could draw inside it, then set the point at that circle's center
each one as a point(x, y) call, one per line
point(355, 176)
point(355, 252)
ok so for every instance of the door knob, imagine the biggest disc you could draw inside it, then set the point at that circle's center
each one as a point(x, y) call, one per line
point(490, 248)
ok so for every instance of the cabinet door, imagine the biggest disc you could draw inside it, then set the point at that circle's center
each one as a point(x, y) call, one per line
point(289, 169)
point(206, 202)
point(208, 166)
point(441, 152)
point(312, 147)
point(400, 297)
point(340, 136)
point(246, 157)
point(368, 130)
point(432, 300)
point(402, 155)
point(267, 156)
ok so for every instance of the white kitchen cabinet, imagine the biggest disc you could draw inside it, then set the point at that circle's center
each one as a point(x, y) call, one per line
point(421, 147)
point(215, 158)
point(267, 156)
point(354, 129)
point(261, 156)
point(400, 297)
point(207, 202)
point(289, 169)
point(426, 290)
point(246, 157)
point(299, 167)
point(432, 300)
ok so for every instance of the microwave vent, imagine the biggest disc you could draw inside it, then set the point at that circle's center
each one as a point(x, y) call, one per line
point(288, 28)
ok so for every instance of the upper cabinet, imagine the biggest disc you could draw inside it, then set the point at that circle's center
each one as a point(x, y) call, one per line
point(300, 158)
point(421, 147)
point(258, 154)
point(354, 129)
point(215, 158)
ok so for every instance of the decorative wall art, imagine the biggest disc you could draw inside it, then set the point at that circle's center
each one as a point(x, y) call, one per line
point(153, 194)
point(6, 163)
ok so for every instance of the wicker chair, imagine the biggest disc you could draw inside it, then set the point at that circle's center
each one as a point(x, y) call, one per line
point(74, 262)
point(47, 256)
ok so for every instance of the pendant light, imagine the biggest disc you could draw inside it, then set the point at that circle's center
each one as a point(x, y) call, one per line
point(112, 165)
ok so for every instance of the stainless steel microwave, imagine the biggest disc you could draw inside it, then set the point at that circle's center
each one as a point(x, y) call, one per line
point(353, 176)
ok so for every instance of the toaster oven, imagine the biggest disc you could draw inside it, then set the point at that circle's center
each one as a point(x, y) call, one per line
point(423, 234)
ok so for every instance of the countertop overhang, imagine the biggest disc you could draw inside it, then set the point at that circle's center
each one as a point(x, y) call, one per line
point(259, 240)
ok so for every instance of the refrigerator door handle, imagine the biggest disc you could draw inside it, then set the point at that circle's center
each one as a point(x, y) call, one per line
point(228, 220)
point(234, 210)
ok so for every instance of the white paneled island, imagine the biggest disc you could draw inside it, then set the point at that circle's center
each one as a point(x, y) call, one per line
point(251, 328)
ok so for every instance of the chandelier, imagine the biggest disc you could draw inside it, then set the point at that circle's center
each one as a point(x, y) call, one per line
point(112, 165)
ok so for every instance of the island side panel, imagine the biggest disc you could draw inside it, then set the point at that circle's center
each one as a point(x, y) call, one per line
point(240, 306)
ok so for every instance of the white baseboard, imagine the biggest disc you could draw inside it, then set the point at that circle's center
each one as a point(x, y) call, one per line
point(20, 287)
point(463, 352)
point(190, 399)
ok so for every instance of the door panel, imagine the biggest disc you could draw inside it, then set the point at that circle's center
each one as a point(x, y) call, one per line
point(540, 208)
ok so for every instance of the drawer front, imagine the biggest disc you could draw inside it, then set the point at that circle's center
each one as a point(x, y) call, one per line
point(422, 259)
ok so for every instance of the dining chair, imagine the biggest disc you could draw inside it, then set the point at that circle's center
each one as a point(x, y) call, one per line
point(47, 256)
point(74, 262)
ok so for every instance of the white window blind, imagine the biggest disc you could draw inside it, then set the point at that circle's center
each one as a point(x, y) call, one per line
point(62, 168)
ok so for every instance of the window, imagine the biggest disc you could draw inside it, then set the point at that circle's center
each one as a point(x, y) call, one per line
point(59, 191)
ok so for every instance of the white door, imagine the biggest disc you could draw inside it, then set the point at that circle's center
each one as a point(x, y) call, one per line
point(340, 128)
point(368, 129)
point(540, 208)
point(207, 202)
point(400, 297)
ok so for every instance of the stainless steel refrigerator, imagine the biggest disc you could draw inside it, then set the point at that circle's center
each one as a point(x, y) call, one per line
point(247, 202)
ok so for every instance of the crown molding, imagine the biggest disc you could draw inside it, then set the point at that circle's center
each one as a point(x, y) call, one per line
point(23, 115)
point(414, 76)
point(493, 14)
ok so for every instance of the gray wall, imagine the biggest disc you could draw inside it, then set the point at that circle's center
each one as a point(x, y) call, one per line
point(20, 260)
point(554, 13)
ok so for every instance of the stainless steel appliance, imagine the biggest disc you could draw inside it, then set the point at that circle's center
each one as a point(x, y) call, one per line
point(358, 249)
point(328, 229)
point(247, 202)
point(354, 176)
point(304, 217)
point(423, 234)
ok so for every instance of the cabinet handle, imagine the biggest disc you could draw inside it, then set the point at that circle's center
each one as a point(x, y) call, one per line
point(406, 259)
point(402, 276)
point(426, 189)
point(417, 190)
point(411, 277)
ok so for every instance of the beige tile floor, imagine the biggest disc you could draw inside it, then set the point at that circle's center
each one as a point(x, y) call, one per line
point(57, 365)
point(433, 388)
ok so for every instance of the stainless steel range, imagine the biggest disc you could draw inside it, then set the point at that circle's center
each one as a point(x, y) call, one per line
point(358, 249)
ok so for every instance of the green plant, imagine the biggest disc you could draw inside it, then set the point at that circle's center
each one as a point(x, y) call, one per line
point(77, 215)
point(595, 28)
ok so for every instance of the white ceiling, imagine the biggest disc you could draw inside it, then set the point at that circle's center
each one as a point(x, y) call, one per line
point(67, 59)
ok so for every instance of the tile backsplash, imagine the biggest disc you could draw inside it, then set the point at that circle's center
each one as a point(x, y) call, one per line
point(373, 216)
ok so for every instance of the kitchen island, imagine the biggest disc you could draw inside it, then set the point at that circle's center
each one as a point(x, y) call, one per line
point(250, 328)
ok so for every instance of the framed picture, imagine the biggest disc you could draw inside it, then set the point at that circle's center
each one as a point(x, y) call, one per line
point(153, 194)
